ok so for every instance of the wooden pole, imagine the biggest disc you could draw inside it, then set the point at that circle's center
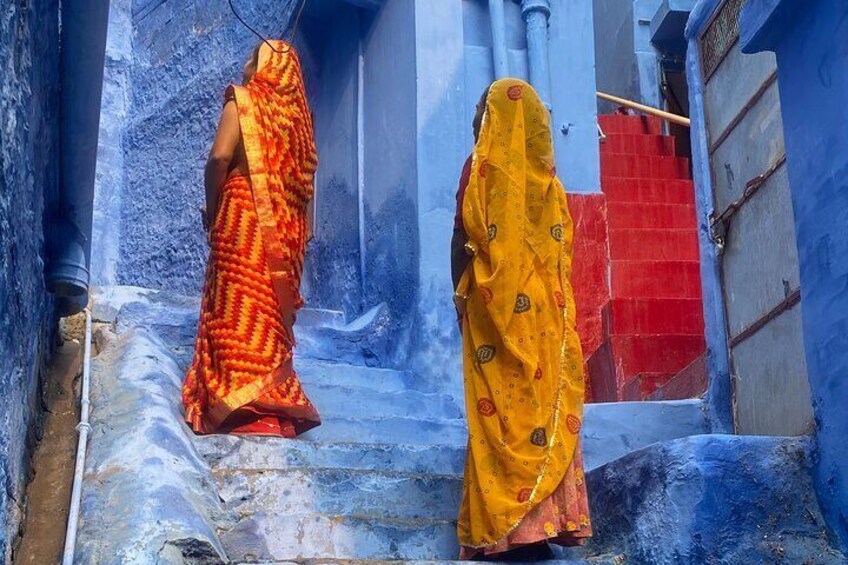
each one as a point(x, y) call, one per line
point(673, 118)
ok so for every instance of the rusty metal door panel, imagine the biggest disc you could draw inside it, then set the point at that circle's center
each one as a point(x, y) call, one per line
point(754, 226)
point(750, 149)
point(772, 390)
point(760, 256)
point(726, 95)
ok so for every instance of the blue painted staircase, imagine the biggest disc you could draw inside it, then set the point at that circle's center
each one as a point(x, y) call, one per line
point(380, 480)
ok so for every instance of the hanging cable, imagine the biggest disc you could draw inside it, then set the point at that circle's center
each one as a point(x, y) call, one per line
point(287, 48)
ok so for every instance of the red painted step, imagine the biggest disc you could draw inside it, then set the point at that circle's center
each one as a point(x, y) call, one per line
point(656, 279)
point(691, 382)
point(629, 215)
point(667, 353)
point(638, 144)
point(634, 316)
point(649, 244)
point(644, 166)
point(620, 123)
point(602, 375)
point(662, 191)
point(644, 385)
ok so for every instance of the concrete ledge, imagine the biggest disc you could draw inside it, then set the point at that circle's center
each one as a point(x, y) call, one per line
point(612, 430)
point(148, 496)
point(711, 499)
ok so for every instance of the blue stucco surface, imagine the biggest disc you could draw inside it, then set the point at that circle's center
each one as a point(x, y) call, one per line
point(813, 76)
point(29, 67)
point(379, 479)
point(392, 90)
point(716, 499)
point(183, 56)
point(719, 391)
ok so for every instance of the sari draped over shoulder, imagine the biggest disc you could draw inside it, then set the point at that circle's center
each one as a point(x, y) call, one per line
point(523, 367)
point(242, 379)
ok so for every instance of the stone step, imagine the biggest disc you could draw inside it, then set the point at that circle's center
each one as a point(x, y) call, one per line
point(261, 537)
point(315, 372)
point(350, 402)
point(603, 560)
point(363, 341)
point(610, 431)
point(378, 429)
point(280, 493)
point(233, 452)
point(321, 317)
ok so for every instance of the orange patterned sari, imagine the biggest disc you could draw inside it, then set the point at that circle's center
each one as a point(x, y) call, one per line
point(242, 379)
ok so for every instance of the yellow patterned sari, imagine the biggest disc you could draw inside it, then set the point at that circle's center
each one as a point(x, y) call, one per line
point(523, 364)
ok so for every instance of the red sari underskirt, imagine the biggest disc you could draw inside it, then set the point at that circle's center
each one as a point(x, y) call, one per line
point(241, 379)
point(562, 518)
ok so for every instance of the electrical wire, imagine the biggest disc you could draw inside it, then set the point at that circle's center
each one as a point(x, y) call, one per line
point(287, 48)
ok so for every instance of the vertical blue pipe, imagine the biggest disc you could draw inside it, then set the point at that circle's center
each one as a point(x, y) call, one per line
point(83, 53)
point(498, 21)
point(536, 14)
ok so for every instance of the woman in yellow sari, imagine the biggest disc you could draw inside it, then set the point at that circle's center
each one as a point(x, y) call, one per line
point(523, 365)
point(258, 186)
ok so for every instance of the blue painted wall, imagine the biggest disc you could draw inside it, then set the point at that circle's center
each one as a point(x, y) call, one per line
point(616, 71)
point(29, 101)
point(183, 55)
point(333, 274)
point(385, 212)
point(627, 62)
point(453, 59)
point(391, 210)
point(719, 391)
point(811, 44)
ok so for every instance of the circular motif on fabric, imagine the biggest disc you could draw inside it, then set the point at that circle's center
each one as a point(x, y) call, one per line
point(522, 303)
point(486, 294)
point(572, 422)
point(539, 437)
point(484, 168)
point(550, 529)
point(485, 353)
point(524, 495)
point(492, 232)
point(538, 375)
point(556, 232)
point(560, 299)
point(486, 407)
point(514, 92)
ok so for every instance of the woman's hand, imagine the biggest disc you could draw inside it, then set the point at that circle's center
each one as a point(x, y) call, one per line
point(204, 218)
point(207, 225)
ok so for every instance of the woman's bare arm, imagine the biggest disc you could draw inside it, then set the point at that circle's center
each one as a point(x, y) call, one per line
point(220, 157)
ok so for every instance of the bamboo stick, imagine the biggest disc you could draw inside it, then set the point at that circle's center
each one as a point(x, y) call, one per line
point(674, 118)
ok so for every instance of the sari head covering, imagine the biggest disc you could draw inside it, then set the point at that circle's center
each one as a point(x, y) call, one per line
point(242, 378)
point(523, 364)
point(279, 141)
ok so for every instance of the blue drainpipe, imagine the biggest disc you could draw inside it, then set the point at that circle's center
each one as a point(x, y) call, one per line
point(536, 14)
point(83, 53)
point(499, 53)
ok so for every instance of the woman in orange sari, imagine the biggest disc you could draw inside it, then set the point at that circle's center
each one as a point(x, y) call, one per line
point(258, 186)
point(524, 484)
